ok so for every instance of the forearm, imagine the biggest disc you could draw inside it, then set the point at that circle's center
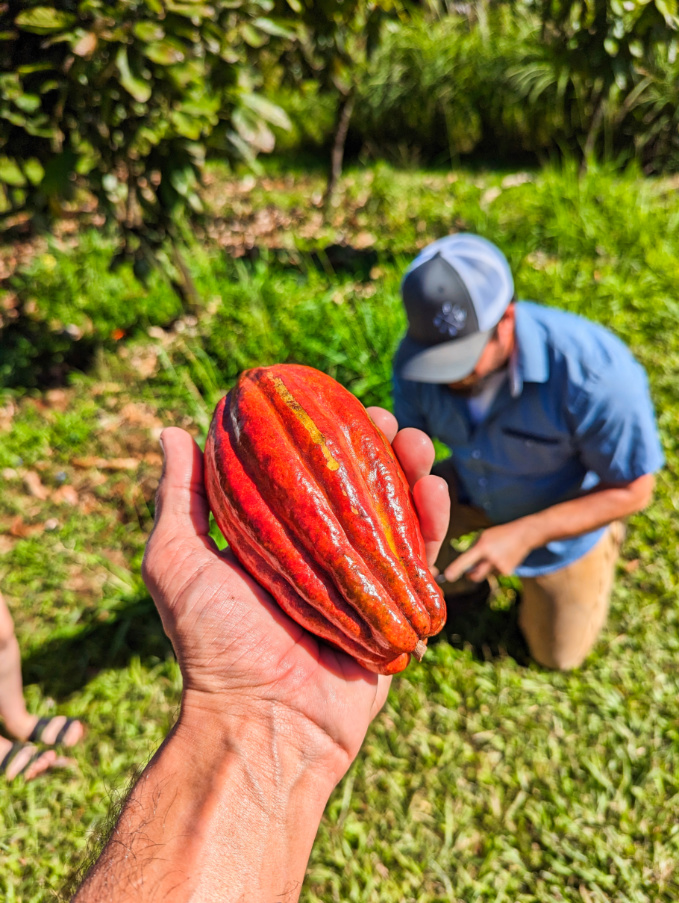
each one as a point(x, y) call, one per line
point(588, 512)
point(217, 815)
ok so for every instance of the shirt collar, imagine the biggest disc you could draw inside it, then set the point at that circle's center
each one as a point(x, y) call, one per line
point(529, 361)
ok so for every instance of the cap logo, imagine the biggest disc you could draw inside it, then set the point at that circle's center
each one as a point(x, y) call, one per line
point(450, 321)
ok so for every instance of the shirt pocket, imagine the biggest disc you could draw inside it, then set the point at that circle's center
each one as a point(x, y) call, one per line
point(533, 454)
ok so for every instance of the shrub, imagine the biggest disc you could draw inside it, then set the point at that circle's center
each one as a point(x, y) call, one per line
point(126, 97)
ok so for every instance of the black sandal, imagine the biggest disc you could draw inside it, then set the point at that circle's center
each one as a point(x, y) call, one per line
point(14, 751)
point(36, 734)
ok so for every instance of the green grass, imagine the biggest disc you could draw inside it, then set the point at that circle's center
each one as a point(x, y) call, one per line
point(486, 777)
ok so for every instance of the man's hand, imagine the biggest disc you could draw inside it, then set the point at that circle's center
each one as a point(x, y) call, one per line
point(501, 549)
point(498, 550)
point(237, 650)
point(271, 718)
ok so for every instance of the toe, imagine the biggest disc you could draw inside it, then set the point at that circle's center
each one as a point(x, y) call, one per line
point(29, 764)
point(74, 733)
point(62, 731)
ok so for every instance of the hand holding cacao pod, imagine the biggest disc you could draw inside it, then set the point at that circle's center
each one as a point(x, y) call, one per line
point(313, 502)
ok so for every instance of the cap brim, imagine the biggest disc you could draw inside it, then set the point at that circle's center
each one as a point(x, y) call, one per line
point(447, 362)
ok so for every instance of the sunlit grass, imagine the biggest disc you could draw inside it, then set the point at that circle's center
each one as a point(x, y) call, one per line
point(486, 777)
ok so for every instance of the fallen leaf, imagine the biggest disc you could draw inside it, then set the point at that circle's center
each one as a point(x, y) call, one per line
point(364, 240)
point(517, 178)
point(7, 543)
point(20, 529)
point(116, 557)
point(490, 195)
point(7, 412)
point(106, 463)
point(65, 495)
point(35, 486)
point(57, 398)
point(90, 503)
point(140, 415)
point(86, 45)
point(145, 362)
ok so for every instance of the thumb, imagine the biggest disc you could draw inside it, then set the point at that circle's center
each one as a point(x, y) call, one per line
point(181, 502)
point(182, 513)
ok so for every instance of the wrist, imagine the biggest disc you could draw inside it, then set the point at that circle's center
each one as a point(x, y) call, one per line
point(533, 531)
point(282, 744)
point(227, 808)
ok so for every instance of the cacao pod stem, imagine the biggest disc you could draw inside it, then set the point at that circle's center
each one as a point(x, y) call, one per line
point(420, 649)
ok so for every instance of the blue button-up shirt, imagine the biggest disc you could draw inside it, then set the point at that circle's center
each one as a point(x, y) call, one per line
point(576, 410)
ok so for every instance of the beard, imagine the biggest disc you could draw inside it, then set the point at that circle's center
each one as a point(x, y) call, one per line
point(473, 385)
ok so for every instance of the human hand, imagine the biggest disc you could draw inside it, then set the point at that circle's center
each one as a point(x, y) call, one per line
point(241, 657)
point(498, 550)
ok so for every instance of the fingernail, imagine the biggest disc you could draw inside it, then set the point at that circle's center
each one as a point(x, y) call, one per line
point(162, 447)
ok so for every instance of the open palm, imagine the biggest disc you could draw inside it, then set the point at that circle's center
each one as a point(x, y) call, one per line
point(236, 648)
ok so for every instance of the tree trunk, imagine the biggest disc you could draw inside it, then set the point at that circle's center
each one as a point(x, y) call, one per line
point(593, 133)
point(185, 287)
point(344, 113)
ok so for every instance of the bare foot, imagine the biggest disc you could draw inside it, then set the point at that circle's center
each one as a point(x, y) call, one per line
point(27, 760)
point(55, 731)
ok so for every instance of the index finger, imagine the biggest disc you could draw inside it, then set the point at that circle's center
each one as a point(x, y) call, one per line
point(385, 420)
point(181, 502)
point(462, 564)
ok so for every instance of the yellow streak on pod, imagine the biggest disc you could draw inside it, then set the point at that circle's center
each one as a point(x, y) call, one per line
point(306, 421)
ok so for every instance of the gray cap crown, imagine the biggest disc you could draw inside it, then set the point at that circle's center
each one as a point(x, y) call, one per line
point(454, 293)
point(437, 303)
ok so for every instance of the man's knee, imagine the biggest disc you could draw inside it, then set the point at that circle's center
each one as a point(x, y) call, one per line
point(548, 648)
point(559, 659)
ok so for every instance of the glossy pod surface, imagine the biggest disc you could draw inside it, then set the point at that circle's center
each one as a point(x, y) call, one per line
point(314, 504)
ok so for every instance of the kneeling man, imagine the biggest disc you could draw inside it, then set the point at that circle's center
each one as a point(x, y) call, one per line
point(552, 436)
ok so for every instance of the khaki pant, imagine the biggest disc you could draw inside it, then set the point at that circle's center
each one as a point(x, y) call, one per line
point(561, 614)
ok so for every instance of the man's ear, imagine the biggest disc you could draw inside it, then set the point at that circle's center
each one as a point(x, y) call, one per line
point(505, 326)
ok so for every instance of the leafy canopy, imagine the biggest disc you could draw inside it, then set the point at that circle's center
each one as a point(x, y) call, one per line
point(131, 95)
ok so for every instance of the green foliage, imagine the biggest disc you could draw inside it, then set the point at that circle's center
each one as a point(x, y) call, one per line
point(127, 98)
point(65, 320)
point(335, 39)
point(601, 64)
point(508, 83)
point(311, 113)
point(599, 29)
point(485, 778)
point(336, 324)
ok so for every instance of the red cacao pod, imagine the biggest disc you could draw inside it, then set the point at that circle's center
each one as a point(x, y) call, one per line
point(314, 504)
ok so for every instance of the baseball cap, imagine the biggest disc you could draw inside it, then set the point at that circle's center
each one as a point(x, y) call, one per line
point(454, 292)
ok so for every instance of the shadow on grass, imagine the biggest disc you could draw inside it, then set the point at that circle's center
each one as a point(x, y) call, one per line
point(490, 633)
point(65, 664)
point(35, 355)
point(332, 259)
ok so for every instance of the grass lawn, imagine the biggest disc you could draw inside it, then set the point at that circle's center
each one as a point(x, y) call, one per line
point(486, 777)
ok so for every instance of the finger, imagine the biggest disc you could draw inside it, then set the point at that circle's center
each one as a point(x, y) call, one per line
point(432, 503)
point(482, 570)
point(415, 452)
point(180, 533)
point(384, 420)
point(461, 565)
point(181, 503)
